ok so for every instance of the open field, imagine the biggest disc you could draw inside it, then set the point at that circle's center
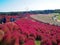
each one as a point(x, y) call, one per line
point(47, 18)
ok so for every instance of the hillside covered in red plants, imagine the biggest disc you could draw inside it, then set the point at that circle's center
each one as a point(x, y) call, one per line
point(26, 30)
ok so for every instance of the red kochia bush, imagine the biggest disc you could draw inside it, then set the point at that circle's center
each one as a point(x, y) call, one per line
point(1, 34)
point(18, 37)
point(12, 26)
point(7, 38)
point(29, 42)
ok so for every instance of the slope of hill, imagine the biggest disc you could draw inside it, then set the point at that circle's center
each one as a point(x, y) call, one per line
point(47, 18)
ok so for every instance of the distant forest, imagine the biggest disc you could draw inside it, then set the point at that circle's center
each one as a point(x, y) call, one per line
point(31, 12)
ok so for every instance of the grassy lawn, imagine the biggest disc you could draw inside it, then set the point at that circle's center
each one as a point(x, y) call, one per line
point(58, 17)
point(37, 42)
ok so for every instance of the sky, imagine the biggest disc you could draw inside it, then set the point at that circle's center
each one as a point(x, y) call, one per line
point(28, 5)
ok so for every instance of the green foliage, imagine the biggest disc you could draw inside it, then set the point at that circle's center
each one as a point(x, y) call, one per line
point(58, 17)
point(57, 11)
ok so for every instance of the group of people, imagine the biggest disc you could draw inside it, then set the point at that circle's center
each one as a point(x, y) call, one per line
point(3, 20)
point(54, 18)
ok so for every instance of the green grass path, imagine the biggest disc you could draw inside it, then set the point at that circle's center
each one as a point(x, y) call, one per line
point(37, 42)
